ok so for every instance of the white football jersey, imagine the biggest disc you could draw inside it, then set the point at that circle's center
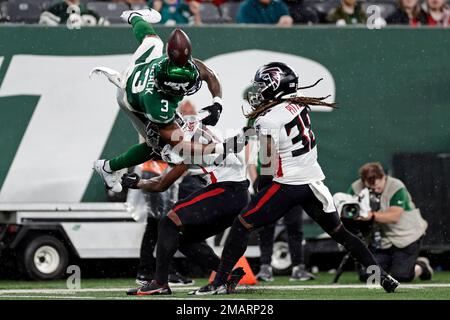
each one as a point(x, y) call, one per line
point(208, 169)
point(290, 127)
point(232, 169)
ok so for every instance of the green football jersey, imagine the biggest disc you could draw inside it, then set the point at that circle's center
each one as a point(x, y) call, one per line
point(145, 99)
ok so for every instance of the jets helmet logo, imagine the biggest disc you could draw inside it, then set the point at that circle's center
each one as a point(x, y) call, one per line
point(273, 76)
point(176, 85)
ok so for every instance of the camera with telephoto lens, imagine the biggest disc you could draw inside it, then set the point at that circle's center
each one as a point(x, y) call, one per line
point(352, 206)
point(350, 211)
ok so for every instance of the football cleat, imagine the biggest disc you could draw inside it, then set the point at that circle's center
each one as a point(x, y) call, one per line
point(265, 273)
point(210, 289)
point(154, 288)
point(299, 273)
point(110, 179)
point(133, 292)
point(149, 15)
point(427, 271)
point(388, 283)
point(228, 288)
point(233, 279)
point(143, 280)
point(178, 279)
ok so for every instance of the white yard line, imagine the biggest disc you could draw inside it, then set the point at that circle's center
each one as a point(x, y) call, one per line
point(67, 293)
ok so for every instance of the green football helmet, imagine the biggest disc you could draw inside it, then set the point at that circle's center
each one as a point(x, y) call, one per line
point(174, 80)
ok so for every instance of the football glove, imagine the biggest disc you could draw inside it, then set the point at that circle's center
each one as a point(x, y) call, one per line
point(214, 114)
point(153, 138)
point(130, 180)
point(235, 144)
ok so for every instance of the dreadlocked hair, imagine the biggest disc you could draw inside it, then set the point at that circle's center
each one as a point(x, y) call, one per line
point(303, 101)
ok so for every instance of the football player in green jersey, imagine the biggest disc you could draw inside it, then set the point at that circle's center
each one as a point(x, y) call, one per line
point(149, 92)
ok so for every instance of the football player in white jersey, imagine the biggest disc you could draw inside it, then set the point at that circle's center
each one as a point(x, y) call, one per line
point(291, 175)
point(201, 215)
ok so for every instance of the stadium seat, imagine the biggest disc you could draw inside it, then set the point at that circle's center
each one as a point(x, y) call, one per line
point(109, 11)
point(229, 10)
point(21, 11)
point(210, 13)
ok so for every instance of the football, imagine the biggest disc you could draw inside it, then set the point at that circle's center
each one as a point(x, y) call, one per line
point(179, 47)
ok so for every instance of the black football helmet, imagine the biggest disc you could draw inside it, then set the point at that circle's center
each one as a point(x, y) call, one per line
point(272, 81)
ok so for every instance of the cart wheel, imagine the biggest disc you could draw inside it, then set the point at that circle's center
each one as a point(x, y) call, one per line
point(45, 258)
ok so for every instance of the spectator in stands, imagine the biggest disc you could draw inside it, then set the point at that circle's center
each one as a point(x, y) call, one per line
point(300, 13)
point(264, 12)
point(408, 12)
point(437, 12)
point(177, 11)
point(72, 12)
point(347, 12)
point(400, 224)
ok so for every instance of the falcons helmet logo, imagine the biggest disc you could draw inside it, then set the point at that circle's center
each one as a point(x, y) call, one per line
point(272, 75)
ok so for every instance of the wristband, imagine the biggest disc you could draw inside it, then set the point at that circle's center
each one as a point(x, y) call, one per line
point(218, 100)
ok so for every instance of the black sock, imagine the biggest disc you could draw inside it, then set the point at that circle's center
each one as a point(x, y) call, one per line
point(234, 249)
point(355, 246)
point(147, 262)
point(200, 253)
point(165, 249)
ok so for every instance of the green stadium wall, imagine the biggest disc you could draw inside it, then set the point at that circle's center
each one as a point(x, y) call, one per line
point(392, 87)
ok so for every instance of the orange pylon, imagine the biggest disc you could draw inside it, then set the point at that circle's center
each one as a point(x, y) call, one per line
point(248, 279)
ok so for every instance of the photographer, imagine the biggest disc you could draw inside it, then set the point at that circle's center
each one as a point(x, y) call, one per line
point(400, 224)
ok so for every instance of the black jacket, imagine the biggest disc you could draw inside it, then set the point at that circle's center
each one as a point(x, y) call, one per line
point(401, 17)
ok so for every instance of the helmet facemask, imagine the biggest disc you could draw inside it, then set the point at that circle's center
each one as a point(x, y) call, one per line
point(177, 81)
point(255, 94)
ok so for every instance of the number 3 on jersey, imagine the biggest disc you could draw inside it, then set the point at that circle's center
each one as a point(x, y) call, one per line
point(165, 106)
point(305, 134)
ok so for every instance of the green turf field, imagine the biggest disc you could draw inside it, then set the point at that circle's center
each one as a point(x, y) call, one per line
point(321, 288)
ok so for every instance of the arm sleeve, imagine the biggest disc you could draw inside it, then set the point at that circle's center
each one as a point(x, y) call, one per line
point(400, 199)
